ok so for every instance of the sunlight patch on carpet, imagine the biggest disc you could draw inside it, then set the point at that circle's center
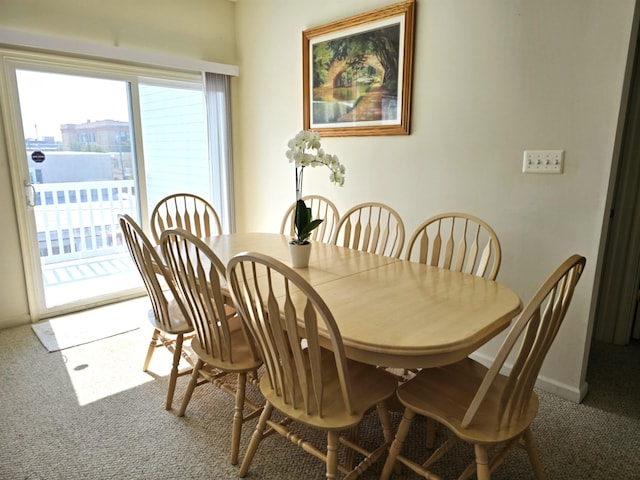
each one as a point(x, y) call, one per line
point(103, 369)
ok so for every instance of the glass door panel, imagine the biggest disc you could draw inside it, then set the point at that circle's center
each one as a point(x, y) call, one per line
point(78, 141)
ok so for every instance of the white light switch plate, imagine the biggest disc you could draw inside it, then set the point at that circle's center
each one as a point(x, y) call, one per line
point(543, 161)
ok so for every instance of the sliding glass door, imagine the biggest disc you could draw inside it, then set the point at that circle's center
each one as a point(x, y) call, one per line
point(92, 144)
point(81, 176)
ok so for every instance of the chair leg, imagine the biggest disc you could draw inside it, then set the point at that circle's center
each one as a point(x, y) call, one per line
point(398, 442)
point(385, 422)
point(482, 462)
point(177, 355)
point(534, 456)
point(256, 438)
point(238, 417)
point(350, 454)
point(432, 425)
point(191, 387)
point(332, 453)
point(152, 347)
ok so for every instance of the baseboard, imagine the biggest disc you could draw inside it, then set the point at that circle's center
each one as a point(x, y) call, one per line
point(563, 390)
point(15, 321)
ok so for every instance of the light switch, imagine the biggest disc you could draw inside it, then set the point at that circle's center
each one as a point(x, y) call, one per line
point(543, 161)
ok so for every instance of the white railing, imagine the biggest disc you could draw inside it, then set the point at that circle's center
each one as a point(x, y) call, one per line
point(80, 219)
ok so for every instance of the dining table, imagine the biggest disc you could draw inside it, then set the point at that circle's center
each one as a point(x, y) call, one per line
point(392, 312)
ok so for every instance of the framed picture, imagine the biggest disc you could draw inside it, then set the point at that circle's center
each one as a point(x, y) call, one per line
point(357, 73)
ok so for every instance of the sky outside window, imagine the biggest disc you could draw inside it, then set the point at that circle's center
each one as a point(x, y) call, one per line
point(48, 100)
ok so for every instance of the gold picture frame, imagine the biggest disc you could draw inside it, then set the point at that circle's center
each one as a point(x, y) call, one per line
point(357, 73)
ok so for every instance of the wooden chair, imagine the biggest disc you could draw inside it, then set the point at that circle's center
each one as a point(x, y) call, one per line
point(456, 241)
point(307, 383)
point(371, 227)
point(321, 207)
point(480, 405)
point(221, 344)
point(167, 315)
point(187, 211)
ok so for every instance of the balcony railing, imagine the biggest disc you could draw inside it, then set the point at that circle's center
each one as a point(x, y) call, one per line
point(80, 219)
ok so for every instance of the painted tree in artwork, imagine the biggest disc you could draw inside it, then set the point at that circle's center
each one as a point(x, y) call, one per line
point(383, 43)
point(322, 58)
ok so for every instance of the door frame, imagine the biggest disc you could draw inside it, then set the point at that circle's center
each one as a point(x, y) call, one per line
point(12, 121)
point(619, 258)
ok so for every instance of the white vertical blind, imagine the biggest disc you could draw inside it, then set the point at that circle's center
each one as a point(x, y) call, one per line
point(218, 101)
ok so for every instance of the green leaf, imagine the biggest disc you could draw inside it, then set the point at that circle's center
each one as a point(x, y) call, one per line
point(303, 223)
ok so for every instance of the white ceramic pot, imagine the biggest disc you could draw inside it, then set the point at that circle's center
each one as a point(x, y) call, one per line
point(300, 255)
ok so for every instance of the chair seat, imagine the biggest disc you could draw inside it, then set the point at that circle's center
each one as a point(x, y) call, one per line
point(445, 393)
point(179, 324)
point(369, 386)
point(243, 358)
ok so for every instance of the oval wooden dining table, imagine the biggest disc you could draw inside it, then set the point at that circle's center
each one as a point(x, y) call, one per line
point(389, 311)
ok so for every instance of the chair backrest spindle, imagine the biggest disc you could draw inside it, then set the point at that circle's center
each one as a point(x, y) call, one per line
point(149, 264)
point(285, 315)
point(456, 241)
point(371, 227)
point(187, 211)
point(535, 331)
point(321, 207)
point(199, 275)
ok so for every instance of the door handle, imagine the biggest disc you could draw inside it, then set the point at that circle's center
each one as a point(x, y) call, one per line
point(30, 194)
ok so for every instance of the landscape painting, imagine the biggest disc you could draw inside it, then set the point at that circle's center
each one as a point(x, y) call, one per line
point(358, 74)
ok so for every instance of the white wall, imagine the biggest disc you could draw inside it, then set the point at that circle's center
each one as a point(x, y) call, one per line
point(197, 29)
point(491, 79)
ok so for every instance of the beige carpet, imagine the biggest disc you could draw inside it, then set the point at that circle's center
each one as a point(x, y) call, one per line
point(91, 325)
point(90, 413)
